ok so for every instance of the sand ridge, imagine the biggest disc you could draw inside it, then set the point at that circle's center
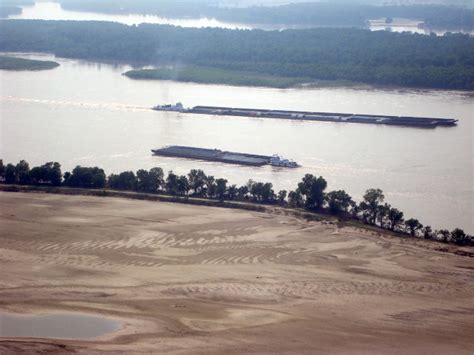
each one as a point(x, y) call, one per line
point(216, 280)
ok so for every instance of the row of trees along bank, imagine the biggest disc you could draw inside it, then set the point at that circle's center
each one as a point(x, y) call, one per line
point(310, 194)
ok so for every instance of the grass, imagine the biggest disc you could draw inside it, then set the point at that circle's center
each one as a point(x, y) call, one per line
point(205, 75)
point(13, 63)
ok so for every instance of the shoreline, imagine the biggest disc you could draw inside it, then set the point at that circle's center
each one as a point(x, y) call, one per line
point(340, 221)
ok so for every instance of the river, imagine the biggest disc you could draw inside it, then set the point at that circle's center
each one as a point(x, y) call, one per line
point(54, 11)
point(88, 114)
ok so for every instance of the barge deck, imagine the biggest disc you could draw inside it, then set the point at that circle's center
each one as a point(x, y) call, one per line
point(404, 121)
point(223, 156)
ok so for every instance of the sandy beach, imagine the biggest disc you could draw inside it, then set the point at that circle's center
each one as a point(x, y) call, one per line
point(193, 279)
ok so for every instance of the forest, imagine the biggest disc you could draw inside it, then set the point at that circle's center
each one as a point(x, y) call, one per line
point(215, 76)
point(309, 194)
point(324, 13)
point(379, 58)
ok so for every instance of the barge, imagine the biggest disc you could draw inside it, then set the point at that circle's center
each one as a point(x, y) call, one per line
point(404, 121)
point(223, 156)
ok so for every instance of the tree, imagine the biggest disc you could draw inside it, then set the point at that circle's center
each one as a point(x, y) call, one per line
point(295, 199)
point(10, 174)
point(460, 238)
point(2, 170)
point(155, 179)
point(312, 188)
point(49, 173)
point(339, 201)
point(124, 181)
point(143, 180)
point(282, 196)
point(262, 192)
point(22, 172)
point(443, 235)
point(172, 183)
point(210, 186)
point(427, 232)
point(413, 225)
point(182, 187)
point(369, 206)
point(382, 212)
point(395, 218)
point(232, 192)
point(242, 192)
point(197, 181)
point(86, 178)
point(221, 187)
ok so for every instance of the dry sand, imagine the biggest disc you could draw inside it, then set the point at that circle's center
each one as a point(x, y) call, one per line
point(191, 279)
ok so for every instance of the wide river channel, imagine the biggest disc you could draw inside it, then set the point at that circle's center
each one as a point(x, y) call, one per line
point(88, 114)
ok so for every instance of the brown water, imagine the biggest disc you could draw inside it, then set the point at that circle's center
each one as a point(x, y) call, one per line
point(88, 114)
point(56, 325)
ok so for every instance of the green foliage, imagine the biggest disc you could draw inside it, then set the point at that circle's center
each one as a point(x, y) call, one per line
point(354, 55)
point(197, 181)
point(312, 188)
point(395, 218)
point(13, 63)
point(261, 192)
point(215, 76)
point(413, 226)
point(123, 181)
point(370, 205)
point(309, 194)
point(460, 238)
point(86, 178)
point(221, 188)
point(49, 173)
point(149, 181)
point(339, 201)
point(324, 13)
point(295, 199)
point(2, 170)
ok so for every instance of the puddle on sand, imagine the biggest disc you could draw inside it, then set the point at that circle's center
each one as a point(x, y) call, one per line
point(56, 325)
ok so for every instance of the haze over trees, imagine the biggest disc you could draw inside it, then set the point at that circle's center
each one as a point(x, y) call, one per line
point(362, 56)
point(309, 194)
point(13, 63)
point(309, 13)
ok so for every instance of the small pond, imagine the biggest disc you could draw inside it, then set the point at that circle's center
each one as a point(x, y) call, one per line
point(56, 325)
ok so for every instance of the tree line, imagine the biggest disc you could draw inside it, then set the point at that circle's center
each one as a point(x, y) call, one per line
point(310, 194)
point(324, 13)
point(355, 55)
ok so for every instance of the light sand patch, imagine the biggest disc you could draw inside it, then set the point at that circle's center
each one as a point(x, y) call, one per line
point(193, 279)
point(237, 318)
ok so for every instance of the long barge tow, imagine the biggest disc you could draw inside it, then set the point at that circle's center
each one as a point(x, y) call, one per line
point(404, 121)
point(223, 156)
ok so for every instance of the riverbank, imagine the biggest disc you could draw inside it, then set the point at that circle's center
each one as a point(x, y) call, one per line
point(19, 64)
point(204, 75)
point(194, 279)
point(240, 205)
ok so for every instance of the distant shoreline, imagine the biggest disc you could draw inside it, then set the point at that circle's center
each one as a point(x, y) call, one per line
point(22, 64)
point(205, 75)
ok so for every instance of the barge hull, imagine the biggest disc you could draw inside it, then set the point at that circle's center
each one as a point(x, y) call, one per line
point(404, 121)
point(214, 155)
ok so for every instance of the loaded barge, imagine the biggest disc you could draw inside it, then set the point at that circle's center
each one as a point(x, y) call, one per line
point(405, 121)
point(223, 156)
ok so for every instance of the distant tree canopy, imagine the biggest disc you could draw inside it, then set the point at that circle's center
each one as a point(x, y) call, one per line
point(317, 54)
point(13, 63)
point(310, 13)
